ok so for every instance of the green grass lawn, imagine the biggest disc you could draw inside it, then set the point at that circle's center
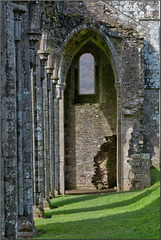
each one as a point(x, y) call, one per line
point(125, 215)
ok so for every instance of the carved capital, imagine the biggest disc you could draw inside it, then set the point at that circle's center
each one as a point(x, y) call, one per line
point(54, 80)
point(43, 58)
point(43, 55)
point(49, 70)
point(20, 9)
point(34, 36)
point(59, 90)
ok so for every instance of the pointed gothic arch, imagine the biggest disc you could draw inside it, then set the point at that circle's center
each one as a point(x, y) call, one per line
point(79, 38)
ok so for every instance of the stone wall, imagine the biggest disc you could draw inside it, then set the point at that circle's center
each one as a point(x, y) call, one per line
point(127, 18)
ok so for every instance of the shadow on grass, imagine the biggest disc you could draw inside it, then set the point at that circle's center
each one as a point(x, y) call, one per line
point(60, 201)
point(103, 207)
point(65, 200)
point(69, 199)
point(139, 224)
point(154, 176)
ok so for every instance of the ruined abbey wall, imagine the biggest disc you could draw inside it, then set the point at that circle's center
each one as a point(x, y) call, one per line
point(40, 41)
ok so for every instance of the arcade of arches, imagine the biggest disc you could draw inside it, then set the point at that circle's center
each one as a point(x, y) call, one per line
point(59, 135)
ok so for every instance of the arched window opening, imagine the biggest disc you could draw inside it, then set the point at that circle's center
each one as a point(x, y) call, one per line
point(86, 74)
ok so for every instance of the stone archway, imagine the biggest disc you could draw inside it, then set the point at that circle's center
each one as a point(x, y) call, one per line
point(118, 51)
point(72, 46)
point(88, 119)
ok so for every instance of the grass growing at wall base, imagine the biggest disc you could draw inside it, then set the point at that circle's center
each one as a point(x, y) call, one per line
point(123, 215)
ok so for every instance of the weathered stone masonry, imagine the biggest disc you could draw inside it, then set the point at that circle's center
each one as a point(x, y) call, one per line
point(53, 138)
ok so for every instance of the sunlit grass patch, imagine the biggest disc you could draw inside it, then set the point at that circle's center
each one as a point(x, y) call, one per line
point(125, 215)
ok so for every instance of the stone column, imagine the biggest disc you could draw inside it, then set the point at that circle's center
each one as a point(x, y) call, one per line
point(45, 109)
point(24, 134)
point(12, 108)
point(54, 176)
point(119, 148)
point(34, 37)
point(39, 208)
point(60, 97)
point(9, 129)
point(49, 115)
point(3, 55)
point(17, 25)
point(45, 88)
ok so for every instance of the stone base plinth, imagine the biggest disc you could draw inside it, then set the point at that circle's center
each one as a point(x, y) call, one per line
point(46, 203)
point(26, 228)
point(52, 195)
point(38, 212)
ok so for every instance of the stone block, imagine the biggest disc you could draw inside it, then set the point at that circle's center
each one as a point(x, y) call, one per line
point(38, 212)
point(26, 228)
point(140, 168)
